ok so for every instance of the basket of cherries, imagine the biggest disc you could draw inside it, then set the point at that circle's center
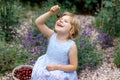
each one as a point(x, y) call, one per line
point(22, 72)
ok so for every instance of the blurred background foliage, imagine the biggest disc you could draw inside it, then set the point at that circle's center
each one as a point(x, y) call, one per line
point(116, 55)
point(108, 18)
point(82, 6)
point(24, 48)
point(8, 19)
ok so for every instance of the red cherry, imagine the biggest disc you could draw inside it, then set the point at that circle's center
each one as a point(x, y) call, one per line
point(23, 73)
point(59, 15)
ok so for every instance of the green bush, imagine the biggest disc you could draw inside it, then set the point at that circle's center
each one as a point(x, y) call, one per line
point(9, 18)
point(116, 55)
point(82, 6)
point(12, 55)
point(7, 57)
point(108, 18)
point(32, 2)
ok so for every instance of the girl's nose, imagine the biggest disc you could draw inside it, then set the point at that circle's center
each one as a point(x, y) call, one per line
point(61, 20)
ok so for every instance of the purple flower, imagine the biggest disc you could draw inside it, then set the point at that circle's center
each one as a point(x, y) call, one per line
point(44, 42)
point(41, 48)
point(87, 31)
point(81, 45)
point(33, 51)
point(39, 36)
point(32, 62)
point(23, 42)
point(32, 42)
point(84, 66)
point(105, 46)
point(91, 67)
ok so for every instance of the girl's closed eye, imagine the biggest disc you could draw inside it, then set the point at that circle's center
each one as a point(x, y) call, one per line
point(66, 21)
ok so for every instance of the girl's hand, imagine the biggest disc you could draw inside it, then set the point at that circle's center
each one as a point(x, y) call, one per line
point(55, 8)
point(51, 67)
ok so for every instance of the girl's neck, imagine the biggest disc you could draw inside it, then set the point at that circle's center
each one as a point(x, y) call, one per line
point(61, 37)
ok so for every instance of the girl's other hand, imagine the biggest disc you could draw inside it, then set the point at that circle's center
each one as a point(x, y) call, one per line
point(55, 8)
point(51, 67)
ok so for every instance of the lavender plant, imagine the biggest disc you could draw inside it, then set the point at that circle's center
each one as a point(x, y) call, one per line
point(105, 41)
point(88, 55)
point(33, 43)
point(116, 55)
point(10, 12)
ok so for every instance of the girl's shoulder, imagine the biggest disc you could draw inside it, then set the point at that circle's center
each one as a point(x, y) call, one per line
point(53, 35)
point(72, 42)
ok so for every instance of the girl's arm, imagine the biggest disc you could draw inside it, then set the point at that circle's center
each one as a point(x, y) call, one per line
point(73, 62)
point(40, 21)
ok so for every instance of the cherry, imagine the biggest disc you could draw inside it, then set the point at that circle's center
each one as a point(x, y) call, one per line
point(59, 15)
point(23, 73)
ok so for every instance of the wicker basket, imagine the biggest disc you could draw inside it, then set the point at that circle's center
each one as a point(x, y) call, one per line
point(18, 67)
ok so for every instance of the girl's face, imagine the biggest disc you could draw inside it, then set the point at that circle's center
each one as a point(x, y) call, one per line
point(63, 25)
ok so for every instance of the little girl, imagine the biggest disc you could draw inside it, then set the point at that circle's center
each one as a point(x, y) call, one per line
point(60, 61)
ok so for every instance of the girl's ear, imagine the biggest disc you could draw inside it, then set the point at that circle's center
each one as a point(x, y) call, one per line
point(72, 30)
point(71, 33)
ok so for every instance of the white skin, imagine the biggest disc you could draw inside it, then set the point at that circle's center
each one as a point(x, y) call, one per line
point(62, 28)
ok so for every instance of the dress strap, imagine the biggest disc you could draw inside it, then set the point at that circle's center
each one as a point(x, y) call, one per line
point(53, 36)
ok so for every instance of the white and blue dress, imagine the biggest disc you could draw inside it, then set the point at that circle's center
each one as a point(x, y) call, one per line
point(57, 53)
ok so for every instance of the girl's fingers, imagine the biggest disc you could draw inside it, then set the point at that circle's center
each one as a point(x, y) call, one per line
point(55, 8)
point(49, 68)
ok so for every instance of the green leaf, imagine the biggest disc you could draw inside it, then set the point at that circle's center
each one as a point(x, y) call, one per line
point(86, 5)
point(108, 3)
point(88, 1)
point(94, 1)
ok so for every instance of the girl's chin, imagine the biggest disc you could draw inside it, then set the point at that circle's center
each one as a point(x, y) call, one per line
point(58, 30)
point(58, 27)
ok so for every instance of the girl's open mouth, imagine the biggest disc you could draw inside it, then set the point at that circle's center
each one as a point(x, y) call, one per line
point(59, 24)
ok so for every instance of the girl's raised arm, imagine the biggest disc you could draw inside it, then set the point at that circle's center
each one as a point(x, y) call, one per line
point(40, 21)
